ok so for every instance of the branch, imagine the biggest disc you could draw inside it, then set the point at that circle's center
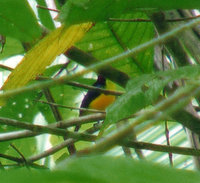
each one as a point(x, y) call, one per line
point(51, 151)
point(88, 87)
point(20, 161)
point(107, 71)
point(62, 145)
point(72, 108)
point(5, 67)
point(149, 20)
point(105, 91)
point(12, 158)
point(162, 148)
point(62, 124)
point(46, 129)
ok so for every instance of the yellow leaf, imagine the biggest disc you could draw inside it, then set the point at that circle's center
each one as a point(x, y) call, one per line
point(44, 53)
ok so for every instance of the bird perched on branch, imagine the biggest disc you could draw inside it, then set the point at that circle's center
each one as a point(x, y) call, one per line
point(96, 100)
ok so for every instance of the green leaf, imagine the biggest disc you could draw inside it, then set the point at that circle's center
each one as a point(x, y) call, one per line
point(112, 169)
point(108, 39)
point(52, 70)
point(27, 150)
point(4, 147)
point(78, 11)
point(12, 47)
point(45, 16)
point(20, 107)
point(64, 95)
point(102, 169)
point(144, 90)
point(18, 21)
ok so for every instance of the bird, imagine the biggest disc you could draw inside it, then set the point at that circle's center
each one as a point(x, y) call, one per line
point(96, 100)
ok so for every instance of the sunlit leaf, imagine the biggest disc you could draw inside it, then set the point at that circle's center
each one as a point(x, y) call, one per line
point(111, 38)
point(44, 53)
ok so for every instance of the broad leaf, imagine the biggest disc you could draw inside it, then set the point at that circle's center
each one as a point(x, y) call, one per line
point(44, 53)
point(108, 39)
point(17, 20)
point(144, 91)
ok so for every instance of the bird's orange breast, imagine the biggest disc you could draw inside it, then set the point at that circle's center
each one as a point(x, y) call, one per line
point(102, 102)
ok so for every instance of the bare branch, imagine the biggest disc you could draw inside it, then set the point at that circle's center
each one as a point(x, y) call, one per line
point(62, 124)
point(46, 129)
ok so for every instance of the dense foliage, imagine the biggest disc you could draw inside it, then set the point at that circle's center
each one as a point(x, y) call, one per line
point(149, 49)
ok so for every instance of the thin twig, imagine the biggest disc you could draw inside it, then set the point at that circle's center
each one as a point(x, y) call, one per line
point(149, 20)
point(17, 150)
point(62, 68)
point(12, 158)
point(45, 8)
point(105, 91)
point(88, 87)
point(21, 161)
point(168, 142)
point(6, 67)
point(72, 108)
point(130, 20)
point(54, 109)
point(3, 42)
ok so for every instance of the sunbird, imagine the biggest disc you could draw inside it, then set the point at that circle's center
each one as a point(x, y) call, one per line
point(96, 100)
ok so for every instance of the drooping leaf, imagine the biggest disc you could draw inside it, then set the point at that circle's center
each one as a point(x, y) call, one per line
point(44, 53)
point(17, 20)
